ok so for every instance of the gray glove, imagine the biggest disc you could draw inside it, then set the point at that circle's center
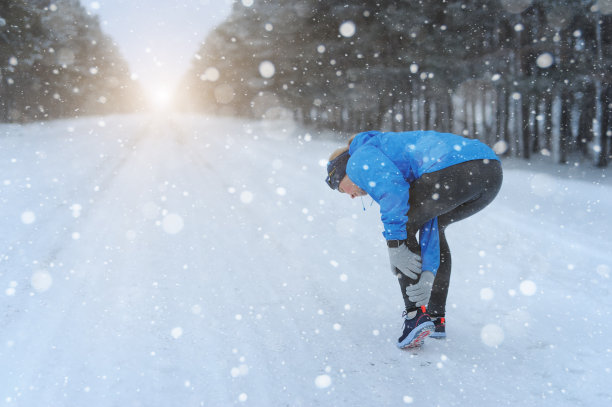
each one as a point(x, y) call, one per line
point(407, 262)
point(420, 292)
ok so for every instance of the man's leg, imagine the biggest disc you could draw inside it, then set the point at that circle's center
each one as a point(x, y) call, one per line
point(451, 194)
point(439, 291)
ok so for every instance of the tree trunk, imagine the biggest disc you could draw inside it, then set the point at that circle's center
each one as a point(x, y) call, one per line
point(473, 110)
point(499, 114)
point(539, 113)
point(507, 127)
point(565, 126)
point(450, 112)
point(548, 121)
point(605, 127)
point(526, 126)
point(585, 124)
point(486, 100)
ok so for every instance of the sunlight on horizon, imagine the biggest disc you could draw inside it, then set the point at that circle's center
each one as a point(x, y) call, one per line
point(159, 39)
point(158, 90)
point(161, 98)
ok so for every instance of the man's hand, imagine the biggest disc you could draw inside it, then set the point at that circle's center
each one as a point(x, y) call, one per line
point(403, 259)
point(420, 292)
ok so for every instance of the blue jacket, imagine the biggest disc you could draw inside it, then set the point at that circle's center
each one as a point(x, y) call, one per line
point(385, 164)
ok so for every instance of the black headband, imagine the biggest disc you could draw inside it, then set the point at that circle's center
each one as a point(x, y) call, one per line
point(336, 170)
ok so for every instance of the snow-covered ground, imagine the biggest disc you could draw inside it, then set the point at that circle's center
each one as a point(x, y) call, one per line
point(191, 261)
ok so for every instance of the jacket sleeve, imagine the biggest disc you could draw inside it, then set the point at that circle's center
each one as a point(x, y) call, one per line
point(429, 240)
point(376, 174)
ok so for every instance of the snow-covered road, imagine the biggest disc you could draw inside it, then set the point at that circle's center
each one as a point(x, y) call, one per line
point(191, 261)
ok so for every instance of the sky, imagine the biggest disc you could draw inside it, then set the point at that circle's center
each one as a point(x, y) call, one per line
point(158, 38)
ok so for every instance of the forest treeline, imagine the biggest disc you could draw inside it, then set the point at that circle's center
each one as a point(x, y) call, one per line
point(527, 76)
point(55, 61)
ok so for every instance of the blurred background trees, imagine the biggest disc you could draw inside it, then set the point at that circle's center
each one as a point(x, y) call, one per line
point(530, 77)
point(55, 61)
point(527, 76)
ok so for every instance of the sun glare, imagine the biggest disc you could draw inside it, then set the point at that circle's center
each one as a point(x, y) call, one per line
point(161, 98)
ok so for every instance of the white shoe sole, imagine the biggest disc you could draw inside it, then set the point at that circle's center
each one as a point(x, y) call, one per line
point(416, 338)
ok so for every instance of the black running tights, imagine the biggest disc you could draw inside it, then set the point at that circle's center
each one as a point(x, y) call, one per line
point(451, 194)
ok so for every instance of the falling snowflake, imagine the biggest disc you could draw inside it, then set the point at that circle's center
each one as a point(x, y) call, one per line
point(347, 29)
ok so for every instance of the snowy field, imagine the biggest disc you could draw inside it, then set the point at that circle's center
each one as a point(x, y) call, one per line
point(191, 261)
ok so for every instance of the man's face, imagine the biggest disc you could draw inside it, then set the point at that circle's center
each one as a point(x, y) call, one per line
point(348, 187)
